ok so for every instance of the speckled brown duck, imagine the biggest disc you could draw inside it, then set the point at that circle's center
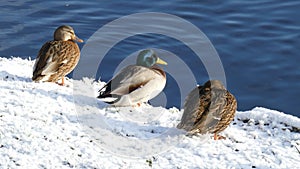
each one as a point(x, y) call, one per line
point(208, 109)
point(58, 57)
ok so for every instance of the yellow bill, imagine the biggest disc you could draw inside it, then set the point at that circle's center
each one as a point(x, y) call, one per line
point(162, 62)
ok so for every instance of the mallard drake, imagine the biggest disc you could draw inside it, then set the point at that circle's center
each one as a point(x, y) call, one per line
point(58, 57)
point(136, 84)
point(208, 109)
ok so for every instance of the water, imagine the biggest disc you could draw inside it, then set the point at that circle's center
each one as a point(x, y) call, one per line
point(257, 41)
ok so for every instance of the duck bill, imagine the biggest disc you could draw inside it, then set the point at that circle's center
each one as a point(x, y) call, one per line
point(162, 62)
point(78, 39)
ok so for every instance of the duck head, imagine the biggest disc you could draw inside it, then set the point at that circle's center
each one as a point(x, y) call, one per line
point(65, 33)
point(148, 58)
point(214, 84)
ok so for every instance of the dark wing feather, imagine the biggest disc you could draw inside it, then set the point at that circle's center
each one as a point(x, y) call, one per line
point(46, 59)
point(127, 80)
point(208, 110)
point(212, 103)
point(191, 110)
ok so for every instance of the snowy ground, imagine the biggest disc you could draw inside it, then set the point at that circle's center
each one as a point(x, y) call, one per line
point(44, 125)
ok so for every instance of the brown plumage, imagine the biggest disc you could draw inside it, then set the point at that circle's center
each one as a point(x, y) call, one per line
point(58, 57)
point(208, 109)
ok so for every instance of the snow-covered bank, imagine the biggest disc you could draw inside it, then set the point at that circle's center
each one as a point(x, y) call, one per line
point(44, 125)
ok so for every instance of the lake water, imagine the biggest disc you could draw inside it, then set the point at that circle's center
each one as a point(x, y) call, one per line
point(258, 41)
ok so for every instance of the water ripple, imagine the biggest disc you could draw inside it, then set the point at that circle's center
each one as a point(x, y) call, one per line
point(257, 40)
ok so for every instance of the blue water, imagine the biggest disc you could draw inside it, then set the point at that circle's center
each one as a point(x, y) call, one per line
point(258, 41)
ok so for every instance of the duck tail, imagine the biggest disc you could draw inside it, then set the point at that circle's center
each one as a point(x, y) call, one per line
point(109, 98)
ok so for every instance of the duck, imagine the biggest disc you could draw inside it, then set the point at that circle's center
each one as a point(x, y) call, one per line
point(208, 109)
point(58, 57)
point(136, 84)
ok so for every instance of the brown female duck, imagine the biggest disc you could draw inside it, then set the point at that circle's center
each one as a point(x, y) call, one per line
point(58, 57)
point(208, 109)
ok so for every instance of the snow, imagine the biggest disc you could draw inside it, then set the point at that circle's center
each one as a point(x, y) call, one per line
point(44, 125)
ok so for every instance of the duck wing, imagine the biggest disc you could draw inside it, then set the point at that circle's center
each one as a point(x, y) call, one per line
point(211, 110)
point(45, 63)
point(127, 80)
point(191, 110)
point(203, 110)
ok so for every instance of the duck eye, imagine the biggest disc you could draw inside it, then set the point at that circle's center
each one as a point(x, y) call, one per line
point(149, 60)
point(71, 32)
